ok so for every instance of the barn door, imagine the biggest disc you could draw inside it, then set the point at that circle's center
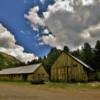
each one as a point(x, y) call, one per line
point(25, 77)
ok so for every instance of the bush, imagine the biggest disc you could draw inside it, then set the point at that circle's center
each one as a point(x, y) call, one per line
point(98, 76)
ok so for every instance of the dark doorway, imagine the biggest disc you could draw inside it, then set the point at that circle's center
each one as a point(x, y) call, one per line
point(24, 76)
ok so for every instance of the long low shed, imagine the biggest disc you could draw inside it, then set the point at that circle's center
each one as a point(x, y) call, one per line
point(26, 73)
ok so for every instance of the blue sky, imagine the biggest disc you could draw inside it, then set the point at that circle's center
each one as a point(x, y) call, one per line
point(12, 16)
point(71, 25)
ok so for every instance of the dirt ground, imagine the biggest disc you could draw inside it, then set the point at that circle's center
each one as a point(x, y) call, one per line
point(16, 92)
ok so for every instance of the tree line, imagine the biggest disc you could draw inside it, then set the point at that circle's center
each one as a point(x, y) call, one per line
point(89, 55)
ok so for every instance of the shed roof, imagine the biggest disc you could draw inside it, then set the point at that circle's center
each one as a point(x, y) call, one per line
point(81, 62)
point(20, 70)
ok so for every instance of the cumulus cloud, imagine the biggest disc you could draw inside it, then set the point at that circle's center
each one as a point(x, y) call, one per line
point(34, 18)
point(8, 45)
point(42, 1)
point(72, 22)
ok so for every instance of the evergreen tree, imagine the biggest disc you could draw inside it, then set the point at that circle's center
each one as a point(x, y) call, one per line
point(97, 55)
point(49, 61)
point(86, 55)
point(66, 49)
point(76, 53)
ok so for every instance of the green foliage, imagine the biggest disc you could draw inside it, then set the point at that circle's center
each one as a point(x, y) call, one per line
point(54, 85)
point(66, 49)
point(7, 61)
point(51, 58)
point(98, 76)
point(91, 56)
point(87, 54)
point(35, 61)
point(49, 61)
point(97, 55)
point(76, 53)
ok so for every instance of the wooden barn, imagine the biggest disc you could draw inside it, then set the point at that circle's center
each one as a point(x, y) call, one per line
point(26, 73)
point(68, 68)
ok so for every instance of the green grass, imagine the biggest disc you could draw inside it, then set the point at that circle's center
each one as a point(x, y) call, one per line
point(95, 85)
point(48, 85)
point(13, 82)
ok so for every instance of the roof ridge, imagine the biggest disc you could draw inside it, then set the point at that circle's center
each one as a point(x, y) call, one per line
point(19, 70)
point(78, 60)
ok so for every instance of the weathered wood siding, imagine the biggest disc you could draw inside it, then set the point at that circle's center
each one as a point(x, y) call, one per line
point(40, 73)
point(11, 77)
point(67, 69)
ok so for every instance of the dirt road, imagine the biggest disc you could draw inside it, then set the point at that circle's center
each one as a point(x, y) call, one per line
point(16, 92)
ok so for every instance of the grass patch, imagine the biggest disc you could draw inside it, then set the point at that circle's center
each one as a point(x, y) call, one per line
point(94, 85)
point(48, 85)
point(17, 83)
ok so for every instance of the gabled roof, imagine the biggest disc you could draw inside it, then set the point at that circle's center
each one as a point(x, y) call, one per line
point(20, 70)
point(79, 61)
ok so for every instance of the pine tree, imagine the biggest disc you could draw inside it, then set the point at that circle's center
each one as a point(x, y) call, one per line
point(66, 49)
point(76, 53)
point(87, 55)
point(51, 57)
point(97, 55)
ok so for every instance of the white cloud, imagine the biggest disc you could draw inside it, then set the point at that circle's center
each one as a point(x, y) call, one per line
point(46, 31)
point(72, 22)
point(87, 2)
point(42, 1)
point(8, 45)
point(34, 18)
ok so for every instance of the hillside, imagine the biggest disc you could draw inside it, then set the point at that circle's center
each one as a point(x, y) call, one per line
point(7, 61)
